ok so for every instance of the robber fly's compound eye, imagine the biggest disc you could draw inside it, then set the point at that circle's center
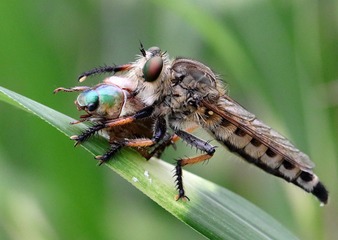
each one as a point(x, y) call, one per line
point(152, 69)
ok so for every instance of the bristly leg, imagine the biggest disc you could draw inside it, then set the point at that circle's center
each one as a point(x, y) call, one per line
point(114, 148)
point(197, 143)
point(104, 69)
point(87, 134)
point(178, 171)
point(179, 181)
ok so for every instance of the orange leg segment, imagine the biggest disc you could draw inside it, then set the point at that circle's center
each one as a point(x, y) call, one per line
point(197, 159)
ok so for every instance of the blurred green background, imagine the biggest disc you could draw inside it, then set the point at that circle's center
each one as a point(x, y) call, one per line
point(278, 57)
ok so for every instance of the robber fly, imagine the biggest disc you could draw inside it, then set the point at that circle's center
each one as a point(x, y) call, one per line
point(108, 101)
point(180, 93)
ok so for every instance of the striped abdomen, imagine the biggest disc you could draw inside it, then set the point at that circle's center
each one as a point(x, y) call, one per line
point(268, 157)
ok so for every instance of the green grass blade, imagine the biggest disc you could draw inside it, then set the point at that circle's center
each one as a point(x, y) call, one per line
point(213, 211)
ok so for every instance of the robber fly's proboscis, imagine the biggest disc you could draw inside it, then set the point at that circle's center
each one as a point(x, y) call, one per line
point(181, 93)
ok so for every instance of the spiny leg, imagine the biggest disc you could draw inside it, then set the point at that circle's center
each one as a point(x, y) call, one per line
point(158, 134)
point(196, 142)
point(175, 137)
point(168, 139)
point(178, 172)
point(87, 134)
point(199, 144)
point(114, 148)
point(104, 69)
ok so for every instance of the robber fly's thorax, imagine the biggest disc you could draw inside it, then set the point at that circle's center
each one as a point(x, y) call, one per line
point(190, 83)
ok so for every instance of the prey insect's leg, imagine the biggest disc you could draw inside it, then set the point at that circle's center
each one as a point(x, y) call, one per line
point(199, 144)
point(146, 112)
point(159, 132)
point(104, 69)
point(73, 89)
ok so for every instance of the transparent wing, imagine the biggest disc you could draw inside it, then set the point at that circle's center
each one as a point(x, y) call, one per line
point(233, 112)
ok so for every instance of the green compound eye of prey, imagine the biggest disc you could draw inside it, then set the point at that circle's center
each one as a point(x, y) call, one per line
point(89, 99)
point(152, 69)
point(102, 101)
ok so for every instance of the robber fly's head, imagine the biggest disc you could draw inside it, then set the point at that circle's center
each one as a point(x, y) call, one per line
point(102, 101)
point(153, 66)
point(150, 74)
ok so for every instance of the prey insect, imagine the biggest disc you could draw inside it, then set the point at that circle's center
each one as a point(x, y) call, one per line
point(182, 93)
point(105, 102)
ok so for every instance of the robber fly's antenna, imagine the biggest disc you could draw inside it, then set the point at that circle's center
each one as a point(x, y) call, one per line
point(142, 49)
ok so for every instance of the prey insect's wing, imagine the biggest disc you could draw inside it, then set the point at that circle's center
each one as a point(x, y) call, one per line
point(234, 113)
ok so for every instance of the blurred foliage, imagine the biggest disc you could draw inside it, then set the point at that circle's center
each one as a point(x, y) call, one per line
point(278, 57)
